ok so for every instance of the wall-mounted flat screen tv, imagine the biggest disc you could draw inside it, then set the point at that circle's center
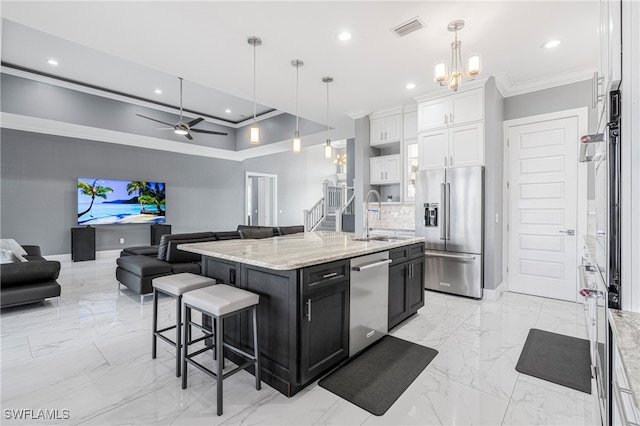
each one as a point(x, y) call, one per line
point(104, 201)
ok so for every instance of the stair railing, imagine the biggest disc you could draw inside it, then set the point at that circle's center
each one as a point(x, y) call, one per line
point(333, 196)
point(312, 217)
point(347, 207)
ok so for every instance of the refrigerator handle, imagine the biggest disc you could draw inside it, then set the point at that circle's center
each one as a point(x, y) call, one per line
point(448, 211)
point(443, 221)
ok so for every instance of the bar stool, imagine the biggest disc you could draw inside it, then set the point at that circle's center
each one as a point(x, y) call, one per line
point(219, 302)
point(175, 286)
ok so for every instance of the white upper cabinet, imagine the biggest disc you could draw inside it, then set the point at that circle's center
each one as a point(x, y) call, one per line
point(458, 108)
point(410, 125)
point(384, 170)
point(385, 130)
point(451, 147)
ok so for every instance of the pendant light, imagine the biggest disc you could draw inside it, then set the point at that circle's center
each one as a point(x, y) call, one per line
point(454, 77)
point(254, 131)
point(328, 153)
point(296, 142)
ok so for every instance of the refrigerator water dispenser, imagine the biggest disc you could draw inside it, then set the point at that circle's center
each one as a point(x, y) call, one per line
point(430, 214)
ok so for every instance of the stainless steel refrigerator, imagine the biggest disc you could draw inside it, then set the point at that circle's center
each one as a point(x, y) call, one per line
point(450, 215)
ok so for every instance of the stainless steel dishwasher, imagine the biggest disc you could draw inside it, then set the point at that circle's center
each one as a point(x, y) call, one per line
point(369, 300)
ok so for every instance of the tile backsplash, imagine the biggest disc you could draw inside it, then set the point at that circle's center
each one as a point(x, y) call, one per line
point(398, 216)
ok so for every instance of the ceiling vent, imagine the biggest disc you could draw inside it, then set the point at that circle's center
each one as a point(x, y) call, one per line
point(410, 26)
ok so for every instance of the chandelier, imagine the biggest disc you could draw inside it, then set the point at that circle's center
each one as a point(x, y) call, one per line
point(454, 77)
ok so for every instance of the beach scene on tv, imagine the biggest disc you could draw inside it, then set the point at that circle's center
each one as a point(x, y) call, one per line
point(102, 201)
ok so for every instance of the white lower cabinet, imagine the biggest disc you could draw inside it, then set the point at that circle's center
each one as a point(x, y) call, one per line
point(451, 147)
point(384, 170)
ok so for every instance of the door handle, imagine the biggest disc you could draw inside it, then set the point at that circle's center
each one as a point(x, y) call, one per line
point(446, 120)
point(451, 118)
point(451, 160)
point(445, 161)
point(442, 212)
point(568, 232)
point(448, 211)
point(309, 310)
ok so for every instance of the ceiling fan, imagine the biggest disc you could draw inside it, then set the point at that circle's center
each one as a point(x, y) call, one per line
point(182, 128)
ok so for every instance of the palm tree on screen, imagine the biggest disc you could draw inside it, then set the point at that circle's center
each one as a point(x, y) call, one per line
point(94, 191)
point(138, 187)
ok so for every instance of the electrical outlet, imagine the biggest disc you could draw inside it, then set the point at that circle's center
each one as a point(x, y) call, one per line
point(121, 240)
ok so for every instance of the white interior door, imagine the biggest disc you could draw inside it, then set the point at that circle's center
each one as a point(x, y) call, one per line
point(543, 200)
point(262, 183)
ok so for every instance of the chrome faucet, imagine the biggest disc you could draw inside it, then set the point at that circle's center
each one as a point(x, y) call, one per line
point(366, 216)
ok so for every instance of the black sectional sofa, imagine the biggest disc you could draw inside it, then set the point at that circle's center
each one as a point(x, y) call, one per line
point(33, 281)
point(138, 266)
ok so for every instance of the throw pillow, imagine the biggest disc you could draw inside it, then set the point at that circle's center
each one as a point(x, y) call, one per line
point(6, 256)
point(12, 245)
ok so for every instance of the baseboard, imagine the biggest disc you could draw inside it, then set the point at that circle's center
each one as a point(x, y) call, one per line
point(493, 294)
point(103, 254)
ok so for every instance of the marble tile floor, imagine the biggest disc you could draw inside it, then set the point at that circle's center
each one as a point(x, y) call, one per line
point(91, 357)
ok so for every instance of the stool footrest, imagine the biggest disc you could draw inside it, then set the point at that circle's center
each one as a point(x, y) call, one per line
point(238, 351)
point(166, 339)
point(171, 327)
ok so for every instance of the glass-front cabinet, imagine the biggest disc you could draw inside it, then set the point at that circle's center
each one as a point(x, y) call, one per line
point(410, 168)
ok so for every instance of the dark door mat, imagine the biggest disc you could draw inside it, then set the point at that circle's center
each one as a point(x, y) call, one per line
point(563, 360)
point(376, 378)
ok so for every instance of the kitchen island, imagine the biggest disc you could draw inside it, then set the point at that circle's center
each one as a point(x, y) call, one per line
point(303, 281)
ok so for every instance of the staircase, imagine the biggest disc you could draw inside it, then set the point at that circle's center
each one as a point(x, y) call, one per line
point(333, 212)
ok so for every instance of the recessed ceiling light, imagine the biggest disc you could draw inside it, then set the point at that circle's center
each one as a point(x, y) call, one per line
point(344, 36)
point(410, 86)
point(228, 111)
point(158, 92)
point(52, 62)
point(550, 44)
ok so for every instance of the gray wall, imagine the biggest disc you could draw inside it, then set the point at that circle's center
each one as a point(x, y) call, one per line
point(300, 178)
point(569, 96)
point(493, 178)
point(38, 189)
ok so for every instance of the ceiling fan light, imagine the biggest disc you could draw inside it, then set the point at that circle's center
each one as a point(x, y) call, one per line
point(474, 64)
point(328, 152)
point(179, 131)
point(254, 135)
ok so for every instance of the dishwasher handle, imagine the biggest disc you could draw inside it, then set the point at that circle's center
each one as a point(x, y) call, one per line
point(371, 265)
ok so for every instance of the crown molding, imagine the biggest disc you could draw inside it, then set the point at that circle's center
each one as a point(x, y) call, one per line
point(357, 113)
point(508, 88)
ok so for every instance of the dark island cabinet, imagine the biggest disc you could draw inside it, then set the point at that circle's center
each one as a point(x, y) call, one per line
point(293, 350)
point(406, 283)
point(324, 327)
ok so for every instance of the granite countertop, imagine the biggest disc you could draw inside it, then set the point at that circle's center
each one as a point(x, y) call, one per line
point(625, 326)
point(296, 250)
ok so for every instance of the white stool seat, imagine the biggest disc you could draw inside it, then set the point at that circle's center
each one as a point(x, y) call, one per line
point(178, 284)
point(220, 299)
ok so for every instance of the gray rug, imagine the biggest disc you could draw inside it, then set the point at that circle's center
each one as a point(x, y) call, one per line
point(376, 378)
point(563, 360)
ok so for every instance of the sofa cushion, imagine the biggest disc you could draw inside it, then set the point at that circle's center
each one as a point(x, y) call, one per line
point(140, 251)
point(24, 273)
point(175, 255)
point(286, 230)
point(227, 235)
point(256, 233)
point(7, 256)
point(143, 265)
point(192, 267)
point(164, 241)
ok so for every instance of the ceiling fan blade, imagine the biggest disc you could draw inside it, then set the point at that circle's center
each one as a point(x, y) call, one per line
point(165, 128)
point(188, 136)
point(153, 119)
point(210, 132)
point(194, 121)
